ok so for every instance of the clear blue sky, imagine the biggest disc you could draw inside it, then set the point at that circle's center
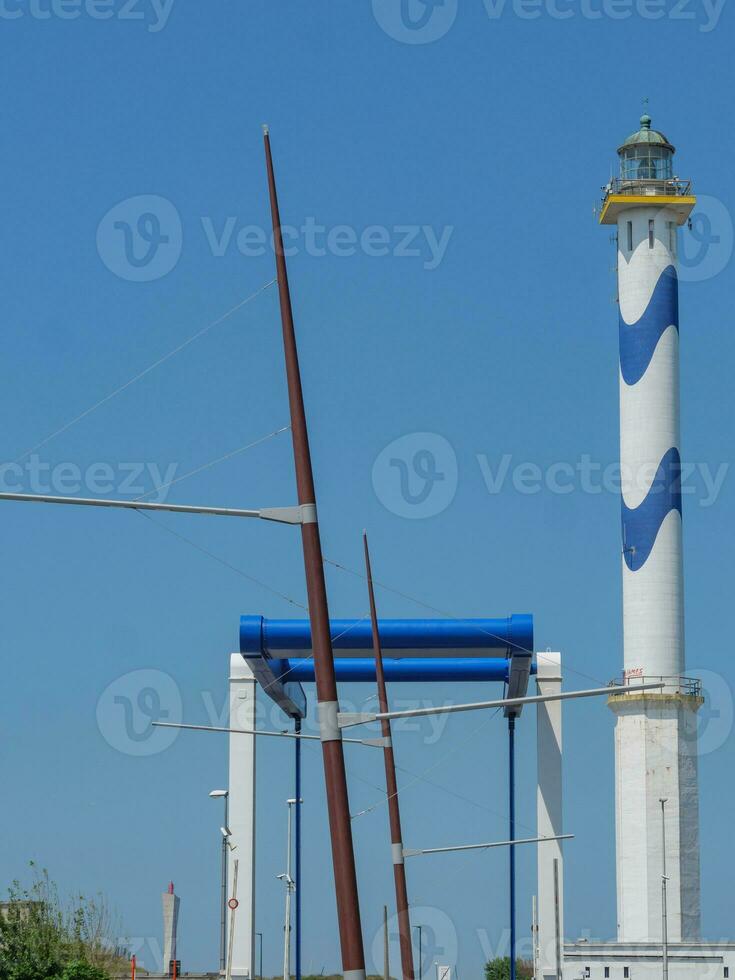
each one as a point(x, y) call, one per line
point(502, 131)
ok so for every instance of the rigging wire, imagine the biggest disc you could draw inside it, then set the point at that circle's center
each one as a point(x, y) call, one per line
point(433, 766)
point(213, 462)
point(450, 615)
point(256, 581)
point(466, 799)
point(430, 782)
point(151, 367)
point(222, 561)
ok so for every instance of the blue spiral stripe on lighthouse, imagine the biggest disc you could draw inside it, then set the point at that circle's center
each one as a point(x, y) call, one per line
point(638, 340)
point(638, 343)
point(641, 524)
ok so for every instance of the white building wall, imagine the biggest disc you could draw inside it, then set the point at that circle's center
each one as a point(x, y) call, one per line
point(695, 961)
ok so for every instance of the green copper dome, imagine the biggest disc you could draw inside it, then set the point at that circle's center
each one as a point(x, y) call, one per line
point(646, 137)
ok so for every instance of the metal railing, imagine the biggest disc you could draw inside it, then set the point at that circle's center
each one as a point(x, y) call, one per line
point(670, 187)
point(674, 684)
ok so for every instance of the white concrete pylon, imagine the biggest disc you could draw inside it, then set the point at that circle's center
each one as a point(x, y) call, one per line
point(655, 758)
point(243, 687)
point(170, 924)
point(549, 821)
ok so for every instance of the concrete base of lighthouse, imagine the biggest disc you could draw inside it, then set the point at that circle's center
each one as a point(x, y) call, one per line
point(655, 759)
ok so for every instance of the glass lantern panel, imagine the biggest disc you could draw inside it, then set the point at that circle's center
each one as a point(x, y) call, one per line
point(646, 163)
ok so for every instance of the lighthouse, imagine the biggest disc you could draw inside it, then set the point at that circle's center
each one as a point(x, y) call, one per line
point(656, 790)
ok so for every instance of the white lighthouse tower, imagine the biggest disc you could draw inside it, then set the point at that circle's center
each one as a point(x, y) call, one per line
point(655, 733)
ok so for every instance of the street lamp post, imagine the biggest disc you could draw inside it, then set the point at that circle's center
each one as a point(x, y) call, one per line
point(664, 881)
point(223, 794)
point(512, 848)
point(297, 847)
point(421, 962)
point(260, 955)
point(290, 887)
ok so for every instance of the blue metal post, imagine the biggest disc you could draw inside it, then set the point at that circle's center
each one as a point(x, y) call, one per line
point(297, 873)
point(512, 811)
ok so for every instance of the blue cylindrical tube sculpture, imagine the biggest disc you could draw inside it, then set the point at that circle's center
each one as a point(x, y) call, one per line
point(403, 637)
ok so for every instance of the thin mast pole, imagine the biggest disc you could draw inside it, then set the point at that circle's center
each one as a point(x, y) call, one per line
point(386, 956)
point(391, 783)
point(297, 863)
point(231, 930)
point(287, 916)
point(343, 857)
point(223, 899)
point(557, 920)
point(664, 912)
point(512, 849)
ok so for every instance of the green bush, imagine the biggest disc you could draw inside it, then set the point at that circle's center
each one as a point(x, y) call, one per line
point(42, 940)
point(79, 970)
point(499, 969)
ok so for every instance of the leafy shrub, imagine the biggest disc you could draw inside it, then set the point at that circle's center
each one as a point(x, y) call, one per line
point(41, 939)
point(499, 969)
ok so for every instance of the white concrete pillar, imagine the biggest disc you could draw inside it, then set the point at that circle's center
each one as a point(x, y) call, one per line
point(549, 820)
point(243, 687)
point(170, 925)
point(655, 759)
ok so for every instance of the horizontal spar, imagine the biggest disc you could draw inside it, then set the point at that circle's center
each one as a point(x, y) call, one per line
point(411, 852)
point(304, 514)
point(373, 742)
point(347, 719)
